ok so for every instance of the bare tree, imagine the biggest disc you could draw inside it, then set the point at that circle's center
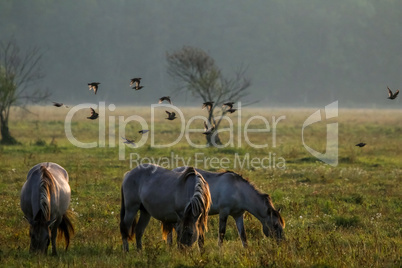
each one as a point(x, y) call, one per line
point(19, 71)
point(196, 71)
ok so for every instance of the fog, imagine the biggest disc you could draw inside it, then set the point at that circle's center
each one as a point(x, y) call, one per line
point(298, 53)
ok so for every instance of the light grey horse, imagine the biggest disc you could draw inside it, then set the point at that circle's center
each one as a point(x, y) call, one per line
point(179, 200)
point(45, 198)
point(232, 196)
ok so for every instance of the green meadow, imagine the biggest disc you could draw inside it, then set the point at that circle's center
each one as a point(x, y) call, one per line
point(344, 216)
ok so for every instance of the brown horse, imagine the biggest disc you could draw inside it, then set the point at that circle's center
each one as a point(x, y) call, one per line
point(45, 198)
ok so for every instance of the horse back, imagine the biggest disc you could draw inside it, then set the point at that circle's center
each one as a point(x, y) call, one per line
point(60, 195)
point(161, 192)
point(228, 190)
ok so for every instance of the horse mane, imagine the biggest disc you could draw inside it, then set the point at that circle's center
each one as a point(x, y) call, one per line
point(266, 197)
point(46, 189)
point(200, 202)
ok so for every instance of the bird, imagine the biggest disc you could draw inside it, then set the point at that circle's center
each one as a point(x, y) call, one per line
point(143, 131)
point(127, 141)
point(392, 95)
point(171, 115)
point(165, 98)
point(208, 130)
point(94, 86)
point(136, 83)
point(231, 110)
point(362, 144)
point(228, 104)
point(59, 104)
point(208, 104)
point(94, 114)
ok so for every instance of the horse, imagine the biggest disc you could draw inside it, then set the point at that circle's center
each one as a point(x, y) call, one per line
point(45, 197)
point(232, 195)
point(178, 200)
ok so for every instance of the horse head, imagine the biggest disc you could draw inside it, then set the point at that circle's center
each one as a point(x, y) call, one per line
point(193, 223)
point(40, 234)
point(273, 225)
point(187, 228)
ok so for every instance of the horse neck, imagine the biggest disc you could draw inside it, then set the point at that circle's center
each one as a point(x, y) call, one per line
point(255, 203)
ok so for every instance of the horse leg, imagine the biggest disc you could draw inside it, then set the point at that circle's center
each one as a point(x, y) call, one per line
point(53, 240)
point(240, 230)
point(140, 228)
point(201, 243)
point(169, 238)
point(222, 227)
point(127, 219)
point(167, 229)
point(201, 238)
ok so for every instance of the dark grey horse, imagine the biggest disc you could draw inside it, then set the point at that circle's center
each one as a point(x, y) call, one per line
point(181, 200)
point(232, 196)
point(45, 198)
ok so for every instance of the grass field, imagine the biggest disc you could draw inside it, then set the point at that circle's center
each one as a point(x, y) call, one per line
point(344, 216)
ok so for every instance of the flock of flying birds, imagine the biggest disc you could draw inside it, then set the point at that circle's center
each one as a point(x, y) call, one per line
point(135, 84)
point(391, 96)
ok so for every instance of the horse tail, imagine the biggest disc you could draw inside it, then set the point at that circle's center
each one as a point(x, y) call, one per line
point(66, 227)
point(166, 229)
point(47, 188)
point(124, 231)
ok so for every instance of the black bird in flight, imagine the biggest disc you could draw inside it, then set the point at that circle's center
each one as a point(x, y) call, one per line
point(94, 114)
point(127, 141)
point(171, 115)
point(228, 104)
point(94, 86)
point(391, 95)
point(165, 98)
point(59, 104)
point(362, 144)
point(136, 82)
point(143, 131)
point(208, 104)
point(231, 110)
point(208, 130)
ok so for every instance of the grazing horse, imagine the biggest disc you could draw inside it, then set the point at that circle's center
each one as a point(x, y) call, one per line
point(232, 196)
point(179, 200)
point(45, 198)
